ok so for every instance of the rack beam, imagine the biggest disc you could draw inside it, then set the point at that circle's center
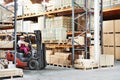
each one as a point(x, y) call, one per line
point(64, 11)
point(111, 13)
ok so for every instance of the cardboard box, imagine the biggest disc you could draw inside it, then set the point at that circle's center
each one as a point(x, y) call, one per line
point(108, 50)
point(117, 53)
point(108, 39)
point(117, 39)
point(117, 25)
point(108, 26)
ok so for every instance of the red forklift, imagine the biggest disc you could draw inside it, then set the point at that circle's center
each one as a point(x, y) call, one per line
point(36, 59)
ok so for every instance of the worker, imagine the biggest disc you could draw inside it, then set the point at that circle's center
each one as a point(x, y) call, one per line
point(23, 45)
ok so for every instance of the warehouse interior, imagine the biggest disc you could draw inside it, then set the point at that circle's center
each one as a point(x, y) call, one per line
point(59, 39)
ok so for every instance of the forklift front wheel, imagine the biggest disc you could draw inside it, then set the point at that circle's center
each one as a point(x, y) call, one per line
point(33, 65)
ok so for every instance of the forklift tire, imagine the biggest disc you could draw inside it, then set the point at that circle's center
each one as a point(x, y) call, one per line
point(33, 64)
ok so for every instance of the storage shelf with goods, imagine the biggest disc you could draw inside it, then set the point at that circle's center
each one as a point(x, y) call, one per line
point(5, 19)
point(58, 31)
point(6, 28)
point(111, 9)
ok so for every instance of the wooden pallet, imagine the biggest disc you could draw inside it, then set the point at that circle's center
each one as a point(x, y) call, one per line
point(10, 73)
point(59, 65)
point(106, 66)
point(77, 66)
point(55, 41)
point(31, 14)
point(60, 8)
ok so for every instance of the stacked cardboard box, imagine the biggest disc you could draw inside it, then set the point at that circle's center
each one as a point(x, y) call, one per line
point(107, 60)
point(33, 8)
point(54, 34)
point(58, 58)
point(111, 36)
point(56, 4)
point(108, 37)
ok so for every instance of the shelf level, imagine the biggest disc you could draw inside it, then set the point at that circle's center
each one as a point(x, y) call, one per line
point(6, 22)
point(61, 46)
point(5, 27)
point(62, 11)
point(111, 13)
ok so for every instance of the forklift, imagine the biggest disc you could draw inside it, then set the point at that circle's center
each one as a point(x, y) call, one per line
point(36, 60)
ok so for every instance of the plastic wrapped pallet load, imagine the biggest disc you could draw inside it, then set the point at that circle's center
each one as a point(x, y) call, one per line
point(54, 34)
point(85, 63)
point(27, 26)
point(19, 26)
point(106, 60)
point(36, 8)
point(20, 10)
point(41, 22)
point(60, 34)
point(56, 4)
point(35, 26)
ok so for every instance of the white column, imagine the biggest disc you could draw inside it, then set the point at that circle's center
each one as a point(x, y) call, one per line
point(97, 49)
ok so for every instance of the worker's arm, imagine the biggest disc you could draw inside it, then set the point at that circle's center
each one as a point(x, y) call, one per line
point(22, 42)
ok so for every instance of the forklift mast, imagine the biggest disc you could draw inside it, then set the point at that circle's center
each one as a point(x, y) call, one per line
point(41, 50)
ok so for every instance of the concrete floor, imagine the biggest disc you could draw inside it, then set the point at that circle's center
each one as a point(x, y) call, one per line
point(59, 73)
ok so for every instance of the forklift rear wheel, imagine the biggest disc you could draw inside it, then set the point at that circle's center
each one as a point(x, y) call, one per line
point(33, 64)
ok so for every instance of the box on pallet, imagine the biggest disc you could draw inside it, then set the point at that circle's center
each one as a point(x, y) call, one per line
point(59, 22)
point(56, 4)
point(19, 26)
point(63, 58)
point(33, 8)
point(26, 26)
point(85, 63)
point(59, 32)
point(36, 8)
point(54, 34)
point(20, 10)
point(35, 26)
point(106, 60)
point(41, 22)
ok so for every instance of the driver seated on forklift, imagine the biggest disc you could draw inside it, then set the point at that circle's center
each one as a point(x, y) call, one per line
point(23, 46)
